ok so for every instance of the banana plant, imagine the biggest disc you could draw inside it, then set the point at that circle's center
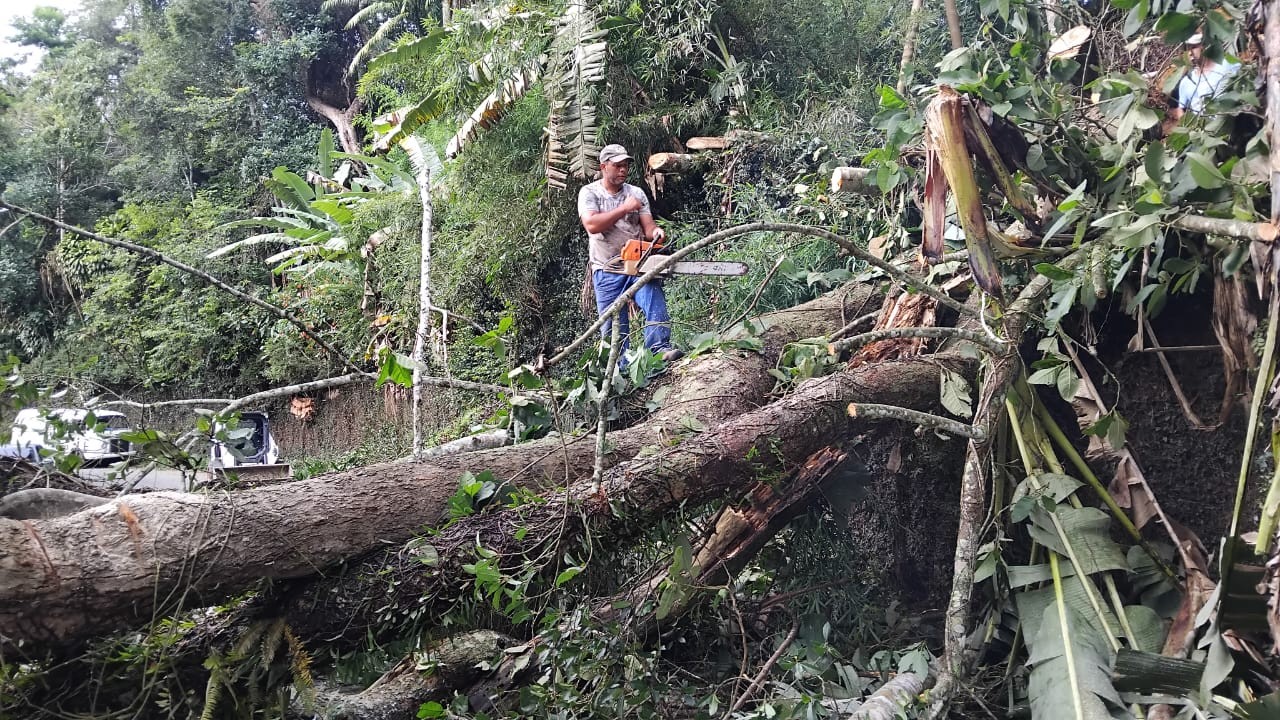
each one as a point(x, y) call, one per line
point(309, 222)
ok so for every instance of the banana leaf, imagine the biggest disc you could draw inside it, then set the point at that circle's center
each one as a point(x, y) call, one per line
point(1088, 531)
point(264, 238)
point(1070, 667)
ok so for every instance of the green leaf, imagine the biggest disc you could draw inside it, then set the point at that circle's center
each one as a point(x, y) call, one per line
point(1068, 382)
point(1204, 171)
point(1067, 646)
point(1148, 629)
point(1053, 272)
point(955, 394)
point(567, 575)
point(324, 153)
point(1088, 532)
point(1176, 26)
point(291, 189)
point(419, 50)
point(1153, 163)
point(890, 99)
point(397, 368)
point(431, 709)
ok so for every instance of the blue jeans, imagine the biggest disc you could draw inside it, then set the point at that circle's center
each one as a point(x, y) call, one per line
point(651, 299)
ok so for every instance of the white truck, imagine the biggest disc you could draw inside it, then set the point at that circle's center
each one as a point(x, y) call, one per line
point(93, 435)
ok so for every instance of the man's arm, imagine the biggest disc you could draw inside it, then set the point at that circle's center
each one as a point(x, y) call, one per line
point(598, 222)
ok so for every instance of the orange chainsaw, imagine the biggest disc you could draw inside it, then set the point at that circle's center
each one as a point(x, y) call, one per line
point(638, 257)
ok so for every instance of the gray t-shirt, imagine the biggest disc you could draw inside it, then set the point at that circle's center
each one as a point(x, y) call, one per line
point(605, 248)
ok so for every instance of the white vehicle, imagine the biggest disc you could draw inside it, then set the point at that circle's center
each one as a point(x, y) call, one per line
point(68, 430)
point(250, 451)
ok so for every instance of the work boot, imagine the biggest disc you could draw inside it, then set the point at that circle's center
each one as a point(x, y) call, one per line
point(672, 355)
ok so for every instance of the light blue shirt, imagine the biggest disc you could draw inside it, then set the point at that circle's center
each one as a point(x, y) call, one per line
point(1200, 84)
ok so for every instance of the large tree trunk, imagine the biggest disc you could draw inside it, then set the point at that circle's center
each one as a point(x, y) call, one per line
point(342, 121)
point(118, 564)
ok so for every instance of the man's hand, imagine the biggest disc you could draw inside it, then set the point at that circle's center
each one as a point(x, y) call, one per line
point(631, 204)
point(658, 235)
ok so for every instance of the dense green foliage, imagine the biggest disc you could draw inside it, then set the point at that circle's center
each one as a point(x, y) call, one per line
point(197, 128)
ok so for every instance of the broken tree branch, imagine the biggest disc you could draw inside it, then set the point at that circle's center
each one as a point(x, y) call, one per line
point(923, 419)
point(1243, 229)
point(990, 344)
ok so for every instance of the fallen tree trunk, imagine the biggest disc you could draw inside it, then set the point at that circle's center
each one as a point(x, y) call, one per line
point(118, 564)
point(723, 461)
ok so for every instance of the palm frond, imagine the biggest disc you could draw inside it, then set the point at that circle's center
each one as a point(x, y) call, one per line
point(375, 41)
point(262, 239)
point(491, 110)
point(365, 13)
point(408, 52)
point(579, 57)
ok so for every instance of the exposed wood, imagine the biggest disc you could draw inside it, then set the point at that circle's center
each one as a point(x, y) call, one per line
point(851, 180)
point(707, 143)
point(675, 163)
point(341, 119)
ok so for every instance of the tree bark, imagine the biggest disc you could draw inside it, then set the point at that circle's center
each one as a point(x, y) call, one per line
point(113, 566)
point(909, 45)
point(724, 461)
point(342, 121)
point(953, 24)
point(420, 338)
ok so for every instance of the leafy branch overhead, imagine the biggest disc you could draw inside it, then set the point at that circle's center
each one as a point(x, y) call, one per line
point(569, 62)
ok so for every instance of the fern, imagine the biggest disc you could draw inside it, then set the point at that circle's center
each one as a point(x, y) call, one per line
point(212, 693)
point(303, 682)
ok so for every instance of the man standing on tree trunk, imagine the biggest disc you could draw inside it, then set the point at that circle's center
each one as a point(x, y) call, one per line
point(614, 212)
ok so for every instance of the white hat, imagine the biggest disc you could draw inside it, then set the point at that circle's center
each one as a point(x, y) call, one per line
point(613, 153)
point(1196, 39)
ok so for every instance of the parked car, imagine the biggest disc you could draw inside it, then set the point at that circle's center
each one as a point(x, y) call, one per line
point(94, 435)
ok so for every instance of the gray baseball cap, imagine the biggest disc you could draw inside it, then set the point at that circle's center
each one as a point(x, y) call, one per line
point(613, 153)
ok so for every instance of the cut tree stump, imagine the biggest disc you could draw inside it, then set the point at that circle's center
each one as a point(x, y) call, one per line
point(674, 163)
point(850, 180)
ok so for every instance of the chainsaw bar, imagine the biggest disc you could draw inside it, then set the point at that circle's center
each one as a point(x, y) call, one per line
point(696, 267)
